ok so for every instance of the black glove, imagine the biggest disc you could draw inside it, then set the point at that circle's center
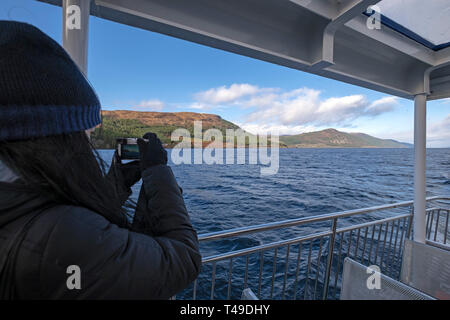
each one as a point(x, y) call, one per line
point(125, 175)
point(152, 152)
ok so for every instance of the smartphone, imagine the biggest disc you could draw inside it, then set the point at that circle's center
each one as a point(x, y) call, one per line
point(127, 148)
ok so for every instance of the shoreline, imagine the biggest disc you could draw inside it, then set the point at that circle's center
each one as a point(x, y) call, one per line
point(304, 148)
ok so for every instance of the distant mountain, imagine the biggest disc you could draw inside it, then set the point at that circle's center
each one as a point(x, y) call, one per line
point(177, 119)
point(131, 124)
point(332, 138)
point(406, 144)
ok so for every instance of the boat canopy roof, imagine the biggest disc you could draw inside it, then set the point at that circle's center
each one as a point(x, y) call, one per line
point(400, 47)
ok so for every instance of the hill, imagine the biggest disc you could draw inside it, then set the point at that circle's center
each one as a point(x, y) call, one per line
point(176, 119)
point(332, 138)
point(131, 124)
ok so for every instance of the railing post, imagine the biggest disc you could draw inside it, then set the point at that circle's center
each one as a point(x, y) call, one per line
point(410, 222)
point(420, 107)
point(330, 259)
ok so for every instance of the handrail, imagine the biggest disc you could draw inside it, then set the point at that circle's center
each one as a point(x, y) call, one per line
point(300, 221)
point(383, 248)
point(241, 252)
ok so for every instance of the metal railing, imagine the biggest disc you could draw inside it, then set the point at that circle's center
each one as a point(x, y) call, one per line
point(309, 266)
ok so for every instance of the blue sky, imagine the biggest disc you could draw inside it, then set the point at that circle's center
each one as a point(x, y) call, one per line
point(140, 70)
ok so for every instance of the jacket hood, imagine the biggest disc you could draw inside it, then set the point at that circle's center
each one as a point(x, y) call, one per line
point(16, 200)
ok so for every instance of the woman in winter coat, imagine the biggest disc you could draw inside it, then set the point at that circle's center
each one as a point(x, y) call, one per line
point(66, 231)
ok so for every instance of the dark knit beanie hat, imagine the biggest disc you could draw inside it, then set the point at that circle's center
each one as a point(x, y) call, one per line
point(42, 91)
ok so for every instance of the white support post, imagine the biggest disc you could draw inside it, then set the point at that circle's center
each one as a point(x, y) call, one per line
point(420, 113)
point(76, 31)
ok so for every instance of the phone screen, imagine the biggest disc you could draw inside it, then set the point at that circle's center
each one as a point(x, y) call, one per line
point(129, 151)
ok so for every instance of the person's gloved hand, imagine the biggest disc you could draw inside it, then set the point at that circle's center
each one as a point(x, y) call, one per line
point(125, 175)
point(152, 152)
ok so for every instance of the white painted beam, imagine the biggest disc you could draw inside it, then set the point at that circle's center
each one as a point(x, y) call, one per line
point(287, 34)
point(345, 15)
point(394, 40)
point(325, 9)
point(76, 31)
point(420, 116)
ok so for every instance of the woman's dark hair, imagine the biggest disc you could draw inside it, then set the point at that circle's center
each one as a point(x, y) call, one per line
point(68, 170)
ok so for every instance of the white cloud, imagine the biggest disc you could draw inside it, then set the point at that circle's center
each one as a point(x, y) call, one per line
point(305, 107)
point(292, 111)
point(295, 107)
point(262, 100)
point(225, 94)
point(276, 129)
point(382, 105)
point(438, 133)
point(198, 106)
point(402, 136)
point(150, 105)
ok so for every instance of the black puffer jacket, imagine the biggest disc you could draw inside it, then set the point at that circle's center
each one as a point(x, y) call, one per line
point(115, 263)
